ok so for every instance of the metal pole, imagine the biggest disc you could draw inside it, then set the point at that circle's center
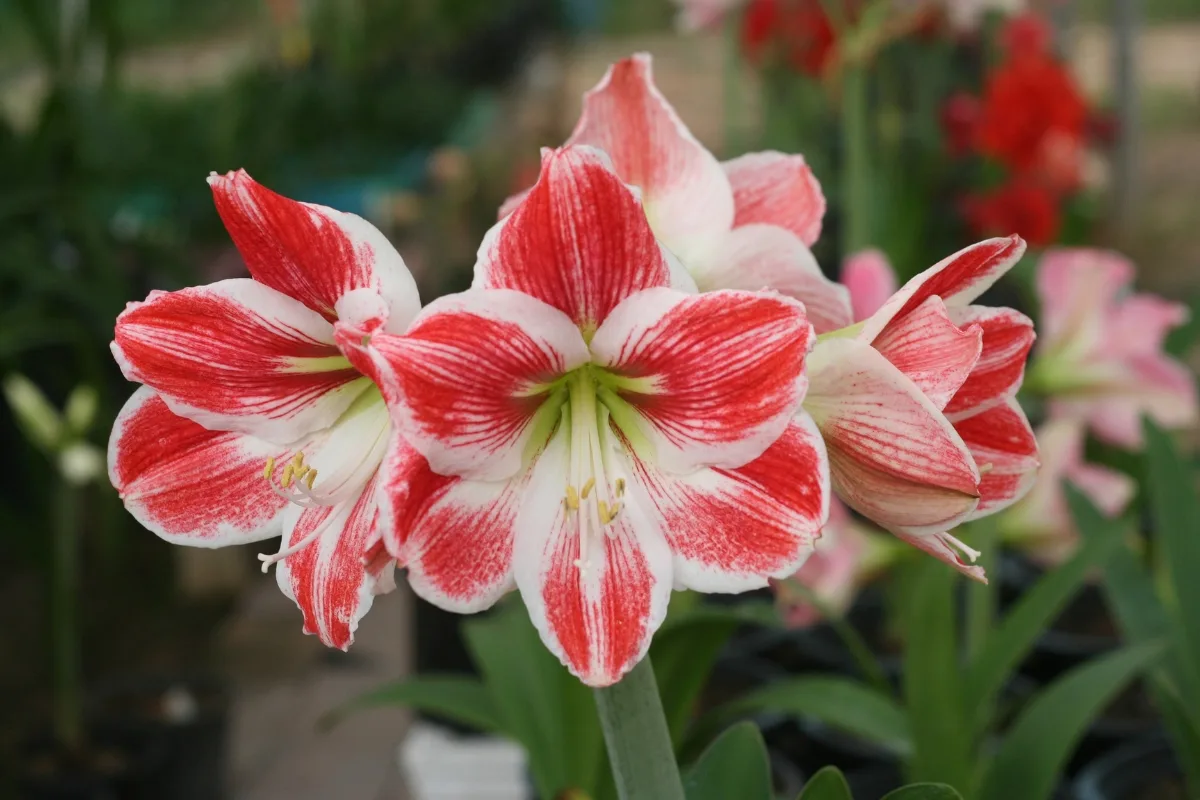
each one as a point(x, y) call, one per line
point(1125, 26)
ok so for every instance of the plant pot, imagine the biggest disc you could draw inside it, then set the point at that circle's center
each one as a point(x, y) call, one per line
point(114, 765)
point(1142, 770)
point(188, 714)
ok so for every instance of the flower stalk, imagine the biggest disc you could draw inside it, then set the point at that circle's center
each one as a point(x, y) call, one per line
point(68, 723)
point(637, 738)
point(856, 160)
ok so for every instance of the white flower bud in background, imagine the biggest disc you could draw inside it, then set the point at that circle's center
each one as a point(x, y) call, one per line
point(81, 463)
point(37, 418)
point(81, 409)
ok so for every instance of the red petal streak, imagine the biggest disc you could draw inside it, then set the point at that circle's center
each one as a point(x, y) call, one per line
point(1003, 445)
point(931, 350)
point(1007, 337)
point(237, 355)
point(725, 371)
point(731, 530)
point(579, 242)
point(309, 252)
point(777, 189)
point(188, 484)
point(328, 579)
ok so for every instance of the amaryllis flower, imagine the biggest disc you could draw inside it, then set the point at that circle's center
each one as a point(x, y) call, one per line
point(1040, 525)
point(251, 422)
point(744, 224)
point(1021, 205)
point(1101, 357)
point(800, 29)
point(917, 404)
point(870, 279)
point(608, 434)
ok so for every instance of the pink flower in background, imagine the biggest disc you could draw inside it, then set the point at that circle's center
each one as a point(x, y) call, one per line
point(1101, 357)
point(1041, 524)
point(917, 402)
point(252, 422)
point(615, 437)
point(870, 279)
point(695, 15)
point(745, 224)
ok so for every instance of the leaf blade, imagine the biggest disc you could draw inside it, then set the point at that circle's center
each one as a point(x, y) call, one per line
point(735, 765)
point(828, 784)
point(462, 699)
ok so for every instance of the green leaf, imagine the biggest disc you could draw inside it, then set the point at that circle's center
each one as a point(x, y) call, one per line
point(735, 765)
point(462, 699)
point(924, 791)
point(839, 702)
point(932, 685)
point(685, 649)
point(828, 784)
point(1033, 753)
point(1016, 635)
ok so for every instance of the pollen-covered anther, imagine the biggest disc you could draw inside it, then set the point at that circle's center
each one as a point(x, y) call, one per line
point(572, 499)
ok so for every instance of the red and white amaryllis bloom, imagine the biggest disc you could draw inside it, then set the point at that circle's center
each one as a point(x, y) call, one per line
point(606, 433)
point(1101, 357)
point(251, 423)
point(747, 223)
point(917, 403)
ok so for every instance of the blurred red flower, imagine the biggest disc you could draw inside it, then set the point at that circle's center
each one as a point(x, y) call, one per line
point(960, 123)
point(1027, 34)
point(1021, 206)
point(800, 28)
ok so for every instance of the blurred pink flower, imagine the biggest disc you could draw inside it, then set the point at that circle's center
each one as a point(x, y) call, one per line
point(1041, 524)
point(695, 15)
point(871, 281)
point(1101, 356)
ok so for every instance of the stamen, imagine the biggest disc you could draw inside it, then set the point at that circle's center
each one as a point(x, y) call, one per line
point(269, 468)
point(291, 498)
point(587, 488)
point(572, 499)
point(969, 552)
point(984, 469)
point(268, 560)
point(312, 476)
point(620, 487)
point(285, 480)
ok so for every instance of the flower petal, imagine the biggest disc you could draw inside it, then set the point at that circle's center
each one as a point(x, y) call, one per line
point(894, 457)
point(940, 547)
point(1110, 490)
point(579, 241)
point(328, 578)
point(716, 377)
point(312, 253)
point(237, 355)
point(599, 619)
point(1006, 451)
point(957, 279)
point(1077, 287)
point(931, 351)
point(777, 189)
point(756, 256)
point(188, 484)
point(1139, 324)
point(687, 196)
point(871, 281)
point(731, 530)
point(470, 374)
point(454, 536)
point(1007, 337)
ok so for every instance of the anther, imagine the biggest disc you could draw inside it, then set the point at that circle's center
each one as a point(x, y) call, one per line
point(572, 499)
point(285, 480)
point(310, 477)
point(587, 488)
point(620, 487)
point(969, 552)
point(984, 469)
point(269, 468)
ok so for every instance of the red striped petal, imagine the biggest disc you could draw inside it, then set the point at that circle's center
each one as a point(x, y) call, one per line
point(312, 253)
point(188, 484)
point(1007, 337)
point(777, 189)
point(939, 546)
point(1003, 445)
point(237, 355)
point(932, 351)
point(716, 377)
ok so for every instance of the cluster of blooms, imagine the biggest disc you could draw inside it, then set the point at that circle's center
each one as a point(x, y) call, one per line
point(615, 409)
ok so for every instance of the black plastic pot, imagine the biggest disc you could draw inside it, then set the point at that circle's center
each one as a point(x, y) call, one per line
point(1142, 770)
point(189, 714)
point(114, 765)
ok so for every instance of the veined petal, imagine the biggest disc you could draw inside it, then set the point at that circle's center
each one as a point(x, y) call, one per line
point(454, 536)
point(237, 355)
point(1139, 324)
point(715, 377)
point(731, 530)
point(1077, 288)
point(596, 609)
point(1007, 337)
point(579, 241)
point(471, 373)
point(871, 281)
point(893, 456)
point(957, 279)
point(687, 196)
point(777, 189)
point(327, 578)
point(1006, 451)
point(188, 484)
point(1110, 490)
point(932, 351)
point(758, 256)
point(312, 253)
point(941, 547)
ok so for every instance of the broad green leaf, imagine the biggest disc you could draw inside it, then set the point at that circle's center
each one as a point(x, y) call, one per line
point(828, 784)
point(462, 699)
point(924, 791)
point(1017, 633)
point(839, 702)
point(735, 765)
point(941, 739)
point(1035, 750)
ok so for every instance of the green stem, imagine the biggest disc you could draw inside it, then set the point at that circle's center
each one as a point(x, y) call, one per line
point(857, 230)
point(68, 724)
point(981, 597)
point(731, 79)
point(638, 741)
